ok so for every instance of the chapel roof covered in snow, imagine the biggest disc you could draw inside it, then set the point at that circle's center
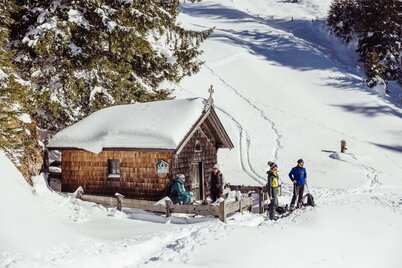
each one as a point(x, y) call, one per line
point(153, 125)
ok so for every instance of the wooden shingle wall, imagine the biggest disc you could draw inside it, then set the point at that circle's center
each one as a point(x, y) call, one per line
point(138, 178)
point(207, 155)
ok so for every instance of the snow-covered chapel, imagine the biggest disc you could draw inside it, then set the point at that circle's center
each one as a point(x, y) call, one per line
point(137, 149)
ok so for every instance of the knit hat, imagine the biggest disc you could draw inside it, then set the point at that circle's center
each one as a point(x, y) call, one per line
point(299, 161)
point(272, 165)
point(181, 176)
point(216, 166)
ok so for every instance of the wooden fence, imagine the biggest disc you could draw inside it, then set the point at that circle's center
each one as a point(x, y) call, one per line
point(260, 190)
point(221, 211)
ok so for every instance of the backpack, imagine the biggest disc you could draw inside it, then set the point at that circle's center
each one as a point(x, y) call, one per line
point(281, 210)
point(169, 189)
point(309, 200)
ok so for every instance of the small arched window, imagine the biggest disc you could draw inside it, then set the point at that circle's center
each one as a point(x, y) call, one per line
point(197, 147)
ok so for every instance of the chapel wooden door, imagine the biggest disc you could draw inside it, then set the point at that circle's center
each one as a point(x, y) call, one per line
point(197, 181)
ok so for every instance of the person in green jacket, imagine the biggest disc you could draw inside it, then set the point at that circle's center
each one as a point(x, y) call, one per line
point(178, 194)
point(273, 189)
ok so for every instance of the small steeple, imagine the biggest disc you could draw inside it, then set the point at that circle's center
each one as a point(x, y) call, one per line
point(210, 102)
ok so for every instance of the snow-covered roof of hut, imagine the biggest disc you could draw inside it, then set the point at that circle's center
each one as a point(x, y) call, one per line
point(154, 125)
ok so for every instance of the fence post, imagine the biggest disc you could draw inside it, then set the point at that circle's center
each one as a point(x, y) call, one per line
point(343, 146)
point(250, 195)
point(240, 206)
point(168, 208)
point(222, 211)
point(260, 200)
point(119, 201)
point(80, 192)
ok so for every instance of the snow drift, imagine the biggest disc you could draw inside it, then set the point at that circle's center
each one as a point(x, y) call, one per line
point(25, 227)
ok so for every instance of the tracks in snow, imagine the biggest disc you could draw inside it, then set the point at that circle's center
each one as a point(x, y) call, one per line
point(271, 123)
point(244, 149)
point(244, 145)
point(186, 241)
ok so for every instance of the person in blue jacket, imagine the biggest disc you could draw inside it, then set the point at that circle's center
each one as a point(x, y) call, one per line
point(298, 175)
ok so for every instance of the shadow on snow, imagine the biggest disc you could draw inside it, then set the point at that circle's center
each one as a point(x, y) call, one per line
point(281, 47)
point(370, 111)
point(395, 148)
point(299, 44)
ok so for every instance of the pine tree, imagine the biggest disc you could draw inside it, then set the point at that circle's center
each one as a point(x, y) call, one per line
point(18, 134)
point(373, 65)
point(341, 19)
point(82, 55)
point(382, 34)
point(377, 25)
point(11, 93)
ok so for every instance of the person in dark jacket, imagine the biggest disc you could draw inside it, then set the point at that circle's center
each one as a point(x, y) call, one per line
point(178, 194)
point(216, 183)
point(298, 175)
point(273, 189)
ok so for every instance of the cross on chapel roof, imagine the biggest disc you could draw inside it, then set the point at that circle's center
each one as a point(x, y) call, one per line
point(210, 101)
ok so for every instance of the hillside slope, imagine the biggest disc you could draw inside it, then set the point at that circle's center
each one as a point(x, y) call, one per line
point(299, 86)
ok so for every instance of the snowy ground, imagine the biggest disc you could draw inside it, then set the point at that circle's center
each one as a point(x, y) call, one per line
point(284, 89)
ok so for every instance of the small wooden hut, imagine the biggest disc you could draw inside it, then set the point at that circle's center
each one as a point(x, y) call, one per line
point(137, 149)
